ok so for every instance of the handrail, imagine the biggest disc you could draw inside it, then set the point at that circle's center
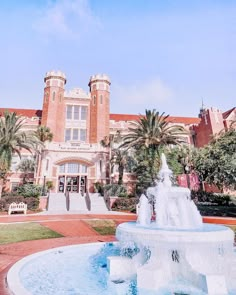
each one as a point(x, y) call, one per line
point(67, 195)
point(88, 201)
point(47, 203)
point(107, 201)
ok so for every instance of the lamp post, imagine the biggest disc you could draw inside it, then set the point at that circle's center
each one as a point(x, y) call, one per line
point(187, 170)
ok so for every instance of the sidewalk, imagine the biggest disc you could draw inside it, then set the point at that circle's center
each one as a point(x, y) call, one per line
point(72, 227)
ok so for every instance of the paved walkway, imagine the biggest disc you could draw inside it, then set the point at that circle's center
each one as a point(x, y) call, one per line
point(74, 229)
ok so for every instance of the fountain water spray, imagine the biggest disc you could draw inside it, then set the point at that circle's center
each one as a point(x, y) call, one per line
point(176, 247)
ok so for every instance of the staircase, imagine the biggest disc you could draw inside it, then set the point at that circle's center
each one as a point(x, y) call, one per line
point(57, 204)
point(97, 203)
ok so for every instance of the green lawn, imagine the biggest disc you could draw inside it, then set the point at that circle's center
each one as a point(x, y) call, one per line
point(12, 233)
point(103, 227)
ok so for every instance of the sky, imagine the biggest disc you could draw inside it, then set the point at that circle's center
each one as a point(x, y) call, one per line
point(168, 55)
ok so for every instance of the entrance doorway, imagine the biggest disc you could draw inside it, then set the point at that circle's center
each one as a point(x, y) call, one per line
point(74, 184)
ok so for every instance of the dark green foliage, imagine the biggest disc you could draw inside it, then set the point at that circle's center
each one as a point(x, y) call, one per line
point(99, 188)
point(29, 190)
point(146, 168)
point(126, 204)
point(216, 162)
point(5, 201)
point(210, 198)
point(115, 189)
point(224, 211)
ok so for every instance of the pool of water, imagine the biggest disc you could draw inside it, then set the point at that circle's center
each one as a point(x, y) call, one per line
point(78, 270)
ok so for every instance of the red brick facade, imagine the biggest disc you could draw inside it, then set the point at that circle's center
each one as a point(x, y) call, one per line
point(80, 120)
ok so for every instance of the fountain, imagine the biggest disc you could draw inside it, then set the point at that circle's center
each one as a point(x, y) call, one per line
point(172, 255)
point(181, 248)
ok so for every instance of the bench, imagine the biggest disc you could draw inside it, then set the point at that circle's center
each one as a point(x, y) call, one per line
point(14, 207)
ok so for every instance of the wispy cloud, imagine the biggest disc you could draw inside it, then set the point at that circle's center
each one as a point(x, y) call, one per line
point(146, 94)
point(66, 19)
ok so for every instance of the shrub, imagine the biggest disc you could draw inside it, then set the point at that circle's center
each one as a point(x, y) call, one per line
point(115, 189)
point(29, 190)
point(99, 188)
point(49, 185)
point(211, 198)
point(125, 204)
point(32, 202)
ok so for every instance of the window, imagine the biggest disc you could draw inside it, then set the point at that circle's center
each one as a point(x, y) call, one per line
point(67, 134)
point(62, 168)
point(94, 99)
point(75, 134)
point(101, 99)
point(82, 134)
point(47, 164)
point(83, 113)
point(14, 186)
point(69, 112)
point(53, 95)
point(60, 97)
point(83, 169)
point(72, 168)
point(76, 112)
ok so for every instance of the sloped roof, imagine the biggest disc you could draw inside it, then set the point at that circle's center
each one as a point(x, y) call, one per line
point(227, 113)
point(183, 120)
point(23, 112)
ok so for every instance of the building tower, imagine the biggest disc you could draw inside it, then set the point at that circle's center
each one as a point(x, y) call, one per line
point(53, 115)
point(99, 107)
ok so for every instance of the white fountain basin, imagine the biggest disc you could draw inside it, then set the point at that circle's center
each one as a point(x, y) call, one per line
point(151, 235)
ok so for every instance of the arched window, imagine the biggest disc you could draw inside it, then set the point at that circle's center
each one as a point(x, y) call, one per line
point(53, 96)
point(94, 99)
point(101, 99)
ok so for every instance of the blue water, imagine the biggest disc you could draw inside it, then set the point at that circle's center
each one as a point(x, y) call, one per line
point(82, 270)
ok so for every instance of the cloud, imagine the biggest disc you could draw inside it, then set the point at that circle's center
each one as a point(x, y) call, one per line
point(146, 94)
point(66, 19)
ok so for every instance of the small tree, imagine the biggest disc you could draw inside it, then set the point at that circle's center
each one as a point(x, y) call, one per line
point(26, 166)
point(216, 162)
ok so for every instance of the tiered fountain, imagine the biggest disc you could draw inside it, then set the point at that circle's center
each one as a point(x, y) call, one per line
point(175, 254)
point(177, 249)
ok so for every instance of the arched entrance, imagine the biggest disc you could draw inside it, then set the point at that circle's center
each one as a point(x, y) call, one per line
point(72, 176)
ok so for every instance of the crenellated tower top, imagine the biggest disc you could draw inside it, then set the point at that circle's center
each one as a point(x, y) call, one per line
point(55, 75)
point(99, 82)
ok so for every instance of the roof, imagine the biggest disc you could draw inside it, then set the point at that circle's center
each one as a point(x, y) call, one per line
point(227, 113)
point(183, 120)
point(23, 112)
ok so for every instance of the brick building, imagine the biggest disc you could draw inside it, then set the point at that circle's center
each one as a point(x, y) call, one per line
point(75, 159)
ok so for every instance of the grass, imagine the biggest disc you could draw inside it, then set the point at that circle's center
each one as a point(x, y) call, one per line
point(12, 233)
point(103, 227)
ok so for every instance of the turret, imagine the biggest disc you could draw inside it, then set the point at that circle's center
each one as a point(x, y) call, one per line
point(99, 107)
point(53, 104)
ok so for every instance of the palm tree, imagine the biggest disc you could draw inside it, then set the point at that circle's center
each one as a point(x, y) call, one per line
point(108, 142)
point(44, 134)
point(12, 141)
point(122, 159)
point(149, 135)
point(26, 166)
point(152, 131)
